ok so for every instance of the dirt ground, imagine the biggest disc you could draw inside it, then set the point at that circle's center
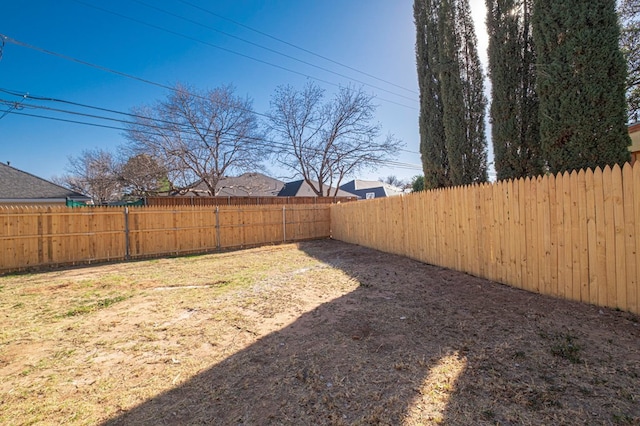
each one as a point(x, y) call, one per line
point(316, 333)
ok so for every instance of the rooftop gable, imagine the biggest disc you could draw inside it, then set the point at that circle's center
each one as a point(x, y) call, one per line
point(300, 188)
point(18, 185)
point(363, 187)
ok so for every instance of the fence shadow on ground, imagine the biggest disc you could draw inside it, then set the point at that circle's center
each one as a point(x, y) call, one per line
point(417, 344)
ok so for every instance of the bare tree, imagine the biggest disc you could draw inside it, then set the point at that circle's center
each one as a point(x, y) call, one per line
point(199, 135)
point(93, 173)
point(326, 141)
point(629, 11)
point(394, 181)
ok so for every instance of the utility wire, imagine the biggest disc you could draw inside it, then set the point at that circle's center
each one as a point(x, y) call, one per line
point(175, 15)
point(294, 46)
point(128, 114)
point(11, 40)
point(380, 162)
point(233, 52)
point(258, 141)
point(12, 106)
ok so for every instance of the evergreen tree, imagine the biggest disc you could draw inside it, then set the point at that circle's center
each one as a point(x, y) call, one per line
point(453, 143)
point(435, 161)
point(451, 91)
point(514, 102)
point(475, 103)
point(580, 83)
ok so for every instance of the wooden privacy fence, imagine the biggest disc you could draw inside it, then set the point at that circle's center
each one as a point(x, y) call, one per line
point(575, 236)
point(38, 236)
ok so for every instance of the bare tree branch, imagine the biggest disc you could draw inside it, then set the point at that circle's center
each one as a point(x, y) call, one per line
point(326, 142)
point(200, 135)
point(93, 173)
point(629, 12)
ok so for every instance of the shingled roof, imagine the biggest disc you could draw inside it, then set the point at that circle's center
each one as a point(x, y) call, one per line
point(17, 186)
point(370, 189)
point(300, 188)
point(248, 184)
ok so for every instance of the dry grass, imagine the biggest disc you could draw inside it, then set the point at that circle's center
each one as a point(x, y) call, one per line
point(316, 333)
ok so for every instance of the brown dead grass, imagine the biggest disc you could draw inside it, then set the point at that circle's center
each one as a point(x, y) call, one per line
point(316, 333)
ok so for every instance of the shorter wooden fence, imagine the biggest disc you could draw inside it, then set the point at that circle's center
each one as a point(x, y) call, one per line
point(241, 201)
point(42, 236)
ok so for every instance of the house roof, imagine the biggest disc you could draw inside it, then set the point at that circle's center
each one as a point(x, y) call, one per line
point(300, 188)
point(363, 187)
point(16, 185)
point(247, 184)
point(634, 133)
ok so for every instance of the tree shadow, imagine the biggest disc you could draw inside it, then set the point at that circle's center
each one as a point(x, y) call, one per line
point(413, 344)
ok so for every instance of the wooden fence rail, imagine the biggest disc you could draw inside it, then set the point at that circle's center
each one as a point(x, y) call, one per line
point(575, 236)
point(39, 236)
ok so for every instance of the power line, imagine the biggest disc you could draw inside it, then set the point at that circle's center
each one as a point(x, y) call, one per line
point(258, 141)
point(233, 52)
point(12, 106)
point(11, 40)
point(128, 114)
point(295, 46)
point(380, 162)
point(175, 15)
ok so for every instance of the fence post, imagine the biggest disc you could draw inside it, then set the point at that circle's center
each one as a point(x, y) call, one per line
point(284, 224)
point(217, 227)
point(126, 234)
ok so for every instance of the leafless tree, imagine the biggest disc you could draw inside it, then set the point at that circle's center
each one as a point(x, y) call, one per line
point(629, 11)
point(199, 135)
point(93, 173)
point(325, 142)
point(394, 181)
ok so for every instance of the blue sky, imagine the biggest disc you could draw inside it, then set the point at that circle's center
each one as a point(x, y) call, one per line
point(373, 36)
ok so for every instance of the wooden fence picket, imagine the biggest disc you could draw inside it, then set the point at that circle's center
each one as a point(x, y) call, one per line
point(573, 235)
point(39, 236)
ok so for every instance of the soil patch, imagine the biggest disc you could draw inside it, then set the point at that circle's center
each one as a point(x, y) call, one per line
point(319, 332)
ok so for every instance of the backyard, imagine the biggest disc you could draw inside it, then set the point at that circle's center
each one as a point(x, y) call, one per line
point(319, 332)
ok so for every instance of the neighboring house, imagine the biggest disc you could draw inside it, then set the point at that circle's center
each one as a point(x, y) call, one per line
point(22, 188)
point(300, 188)
point(245, 185)
point(634, 132)
point(368, 189)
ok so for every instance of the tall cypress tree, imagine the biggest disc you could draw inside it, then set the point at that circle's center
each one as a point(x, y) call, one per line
point(581, 84)
point(514, 105)
point(453, 143)
point(475, 103)
point(435, 161)
point(452, 93)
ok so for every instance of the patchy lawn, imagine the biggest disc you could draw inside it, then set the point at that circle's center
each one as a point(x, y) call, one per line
point(315, 333)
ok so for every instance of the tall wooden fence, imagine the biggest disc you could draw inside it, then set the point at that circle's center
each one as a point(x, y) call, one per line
point(38, 236)
point(575, 236)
